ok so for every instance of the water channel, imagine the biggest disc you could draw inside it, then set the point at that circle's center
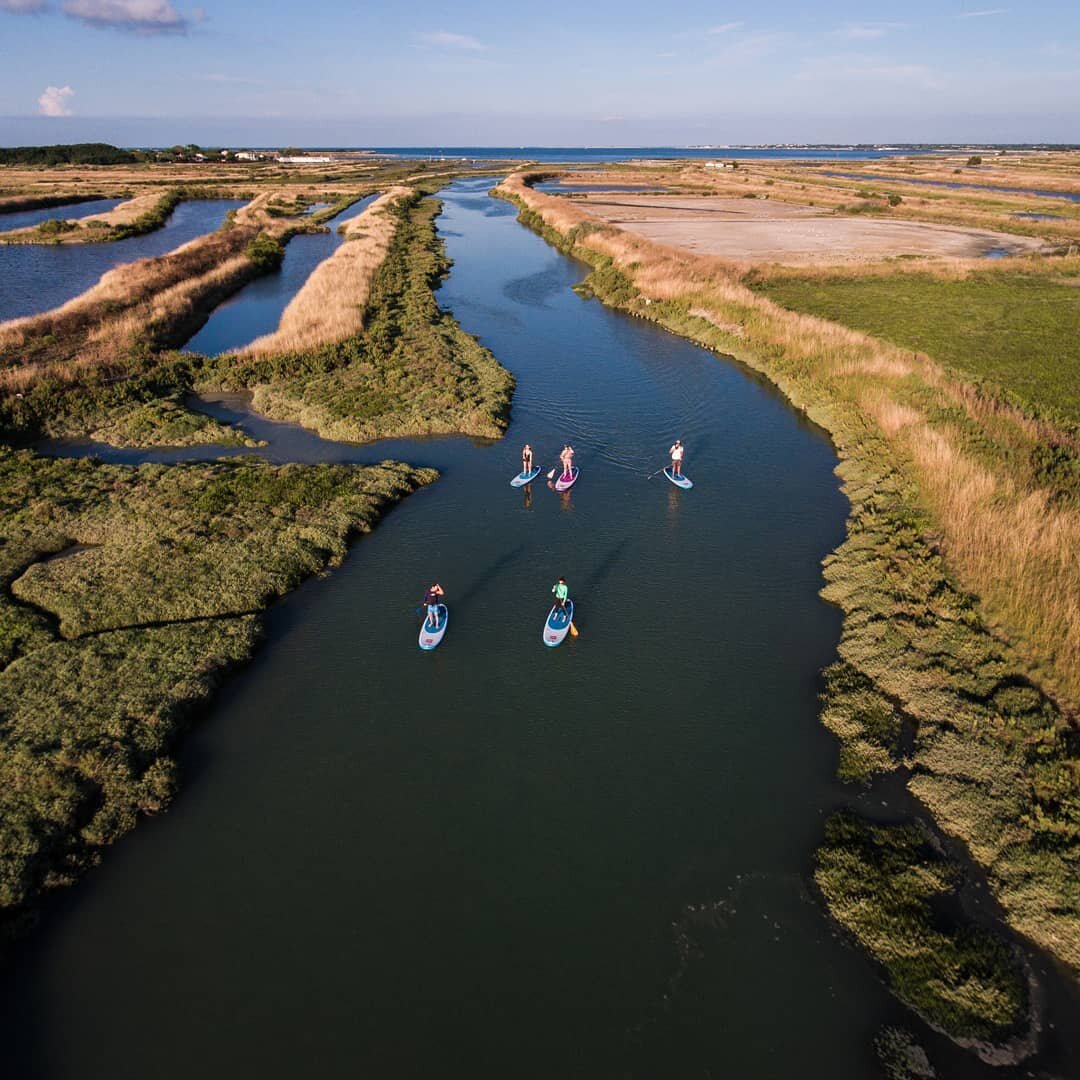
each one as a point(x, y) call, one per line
point(37, 277)
point(256, 309)
point(24, 219)
point(500, 860)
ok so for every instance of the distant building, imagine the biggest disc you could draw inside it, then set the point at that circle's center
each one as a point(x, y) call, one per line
point(248, 155)
point(303, 160)
point(720, 165)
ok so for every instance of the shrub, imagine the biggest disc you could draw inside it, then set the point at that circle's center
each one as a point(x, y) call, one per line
point(55, 227)
point(895, 200)
point(974, 160)
point(265, 252)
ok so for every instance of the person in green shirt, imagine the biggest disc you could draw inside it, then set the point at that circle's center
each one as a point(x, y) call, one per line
point(561, 593)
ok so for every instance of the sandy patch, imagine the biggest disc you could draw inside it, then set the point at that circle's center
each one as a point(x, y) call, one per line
point(761, 230)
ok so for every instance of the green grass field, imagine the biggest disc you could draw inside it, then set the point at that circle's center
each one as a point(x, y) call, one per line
point(1017, 330)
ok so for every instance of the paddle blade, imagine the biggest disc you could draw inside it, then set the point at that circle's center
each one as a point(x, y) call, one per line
point(573, 629)
point(551, 475)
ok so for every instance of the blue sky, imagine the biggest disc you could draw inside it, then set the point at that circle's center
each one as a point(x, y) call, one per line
point(475, 72)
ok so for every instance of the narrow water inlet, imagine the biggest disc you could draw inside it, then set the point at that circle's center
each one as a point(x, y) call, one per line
point(256, 309)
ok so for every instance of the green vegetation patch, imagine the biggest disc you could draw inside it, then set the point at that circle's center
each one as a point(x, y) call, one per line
point(412, 371)
point(1019, 331)
point(886, 885)
point(126, 593)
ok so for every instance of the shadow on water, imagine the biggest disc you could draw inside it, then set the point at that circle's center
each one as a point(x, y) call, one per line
point(499, 859)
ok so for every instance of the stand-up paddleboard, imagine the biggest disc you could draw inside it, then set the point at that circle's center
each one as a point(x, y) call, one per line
point(563, 484)
point(679, 481)
point(558, 624)
point(430, 637)
point(524, 478)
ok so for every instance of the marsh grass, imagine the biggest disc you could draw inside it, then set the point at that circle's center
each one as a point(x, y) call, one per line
point(106, 651)
point(411, 370)
point(886, 886)
point(330, 306)
point(1017, 328)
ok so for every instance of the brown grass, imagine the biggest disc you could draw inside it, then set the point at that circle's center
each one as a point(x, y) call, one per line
point(330, 305)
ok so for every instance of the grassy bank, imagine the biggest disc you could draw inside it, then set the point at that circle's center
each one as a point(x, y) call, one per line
point(330, 306)
point(411, 370)
point(937, 642)
point(1017, 330)
point(106, 649)
point(100, 367)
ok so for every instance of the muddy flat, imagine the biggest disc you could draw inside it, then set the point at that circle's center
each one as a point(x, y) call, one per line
point(761, 230)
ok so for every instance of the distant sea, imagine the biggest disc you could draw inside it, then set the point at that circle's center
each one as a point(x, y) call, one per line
point(622, 153)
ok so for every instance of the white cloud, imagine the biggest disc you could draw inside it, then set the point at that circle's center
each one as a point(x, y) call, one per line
point(24, 7)
point(725, 28)
point(982, 14)
point(54, 101)
point(140, 16)
point(446, 40)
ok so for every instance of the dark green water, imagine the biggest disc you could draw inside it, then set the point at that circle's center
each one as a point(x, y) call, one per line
point(497, 859)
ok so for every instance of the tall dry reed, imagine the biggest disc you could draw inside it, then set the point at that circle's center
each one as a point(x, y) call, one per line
point(330, 305)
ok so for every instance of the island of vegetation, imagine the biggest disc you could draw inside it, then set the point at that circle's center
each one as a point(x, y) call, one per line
point(128, 592)
point(959, 450)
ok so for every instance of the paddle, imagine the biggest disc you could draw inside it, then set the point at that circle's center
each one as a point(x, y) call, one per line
point(573, 629)
point(657, 473)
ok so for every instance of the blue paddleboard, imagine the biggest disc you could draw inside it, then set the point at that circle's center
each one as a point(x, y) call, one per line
point(558, 624)
point(430, 637)
point(524, 478)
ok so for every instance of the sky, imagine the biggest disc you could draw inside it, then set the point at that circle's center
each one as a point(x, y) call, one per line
point(473, 72)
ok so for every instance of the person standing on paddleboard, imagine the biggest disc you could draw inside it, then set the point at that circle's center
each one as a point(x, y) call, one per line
point(676, 453)
point(567, 459)
point(526, 460)
point(561, 593)
point(431, 602)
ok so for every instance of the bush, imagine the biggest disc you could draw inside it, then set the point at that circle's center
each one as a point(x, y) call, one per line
point(265, 252)
point(974, 160)
point(895, 200)
point(56, 227)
